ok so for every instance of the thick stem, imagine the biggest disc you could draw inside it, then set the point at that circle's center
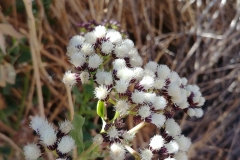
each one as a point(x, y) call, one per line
point(138, 127)
point(71, 107)
point(85, 153)
point(133, 152)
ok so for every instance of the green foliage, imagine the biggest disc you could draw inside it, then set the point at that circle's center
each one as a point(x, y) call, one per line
point(77, 133)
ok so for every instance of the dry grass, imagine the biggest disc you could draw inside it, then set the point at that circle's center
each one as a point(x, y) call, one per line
point(198, 39)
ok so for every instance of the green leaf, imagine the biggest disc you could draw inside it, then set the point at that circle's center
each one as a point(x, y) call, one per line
point(100, 108)
point(77, 133)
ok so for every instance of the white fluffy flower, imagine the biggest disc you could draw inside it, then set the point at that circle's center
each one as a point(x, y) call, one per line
point(100, 76)
point(191, 112)
point(147, 82)
point(172, 128)
point(149, 97)
point(184, 104)
point(144, 111)
point(87, 49)
point(156, 142)
point(125, 74)
point(69, 78)
point(201, 101)
point(121, 86)
point(114, 36)
point(175, 92)
point(174, 77)
point(198, 112)
point(159, 103)
point(183, 142)
point(107, 47)
point(98, 139)
point(129, 43)
point(158, 119)
point(32, 152)
point(118, 64)
point(146, 154)
point(66, 144)
point(108, 78)
point(48, 135)
point(163, 71)
point(65, 126)
point(101, 92)
point(180, 156)
point(138, 97)
point(121, 51)
point(90, 37)
point(122, 107)
point(78, 59)
point(76, 41)
point(37, 123)
point(136, 61)
point(159, 83)
point(172, 146)
point(137, 73)
point(113, 133)
point(117, 151)
point(100, 31)
point(94, 61)
point(151, 65)
point(84, 76)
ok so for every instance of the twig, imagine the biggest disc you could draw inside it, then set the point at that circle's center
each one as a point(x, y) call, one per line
point(14, 145)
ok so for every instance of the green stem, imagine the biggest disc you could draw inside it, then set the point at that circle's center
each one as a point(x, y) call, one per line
point(111, 101)
point(85, 153)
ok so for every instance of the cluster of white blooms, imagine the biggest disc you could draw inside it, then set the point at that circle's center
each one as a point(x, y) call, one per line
point(51, 138)
point(151, 93)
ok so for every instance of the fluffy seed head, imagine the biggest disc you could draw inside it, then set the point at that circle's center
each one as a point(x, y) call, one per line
point(94, 61)
point(118, 64)
point(121, 51)
point(32, 151)
point(121, 86)
point(76, 41)
point(151, 65)
point(101, 92)
point(48, 135)
point(159, 103)
point(122, 107)
point(180, 156)
point(78, 59)
point(183, 142)
point(147, 82)
point(84, 76)
point(144, 111)
point(113, 133)
point(163, 71)
point(158, 119)
point(136, 61)
point(66, 144)
point(37, 123)
point(87, 49)
point(90, 37)
point(191, 112)
point(149, 97)
point(156, 142)
point(100, 76)
point(69, 78)
point(117, 151)
point(172, 147)
point(125, 74)
point(198, 112)
point(138, 97)
point(98, 139)
point(107, 47)
point(114, 36)
point(129, 43)
point(172, 128)
point(146, 154)
point(99, 31)
point(65, 126)
point(137, 73)
point(159, 83)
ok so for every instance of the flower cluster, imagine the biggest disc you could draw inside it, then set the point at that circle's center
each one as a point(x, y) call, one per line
point(151, 93)
point(50, 138)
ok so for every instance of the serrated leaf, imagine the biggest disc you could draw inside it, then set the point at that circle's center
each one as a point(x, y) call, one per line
point(100, 109)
